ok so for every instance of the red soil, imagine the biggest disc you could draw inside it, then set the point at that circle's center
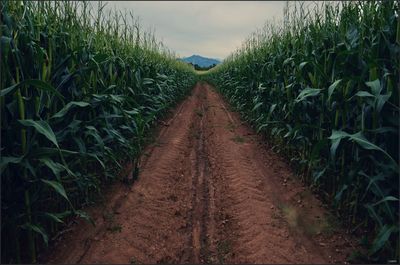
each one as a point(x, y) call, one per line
point(209, 191)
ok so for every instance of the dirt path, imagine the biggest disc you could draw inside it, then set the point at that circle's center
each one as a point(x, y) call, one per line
point(208, 191)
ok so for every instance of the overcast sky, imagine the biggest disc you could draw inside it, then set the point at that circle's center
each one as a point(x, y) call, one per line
point(210, 28)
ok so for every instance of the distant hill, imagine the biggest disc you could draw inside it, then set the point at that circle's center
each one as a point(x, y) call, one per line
point(200, 60)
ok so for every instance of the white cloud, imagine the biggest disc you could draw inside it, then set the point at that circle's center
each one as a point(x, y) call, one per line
point(210, 28)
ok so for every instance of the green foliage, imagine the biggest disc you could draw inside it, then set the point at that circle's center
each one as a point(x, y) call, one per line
point(80, 90)
point(324, 87)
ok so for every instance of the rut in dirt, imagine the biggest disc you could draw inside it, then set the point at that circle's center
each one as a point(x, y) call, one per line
point(208, 191)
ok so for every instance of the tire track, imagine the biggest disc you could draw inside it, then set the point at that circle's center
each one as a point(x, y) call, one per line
point(199, 189)
point(203, 201)
point(150, 213)
point(258, 238)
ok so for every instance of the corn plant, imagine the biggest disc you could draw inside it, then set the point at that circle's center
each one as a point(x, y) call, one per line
point(80, 89)
point(324, 88)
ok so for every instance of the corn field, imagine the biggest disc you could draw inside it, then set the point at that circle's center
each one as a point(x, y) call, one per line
point(80, 89)
point(324, 88)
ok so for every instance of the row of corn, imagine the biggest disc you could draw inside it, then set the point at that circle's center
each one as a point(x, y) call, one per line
point(324, 88)
point(80, 89)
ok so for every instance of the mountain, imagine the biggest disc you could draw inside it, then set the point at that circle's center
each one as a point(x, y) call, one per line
point(201, 61)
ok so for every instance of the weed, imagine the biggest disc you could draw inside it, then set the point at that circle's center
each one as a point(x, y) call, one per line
point(199, 112)
point(231, 126)
point(238, 139)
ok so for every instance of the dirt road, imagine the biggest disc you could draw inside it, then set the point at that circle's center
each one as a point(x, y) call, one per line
point(209, 191)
